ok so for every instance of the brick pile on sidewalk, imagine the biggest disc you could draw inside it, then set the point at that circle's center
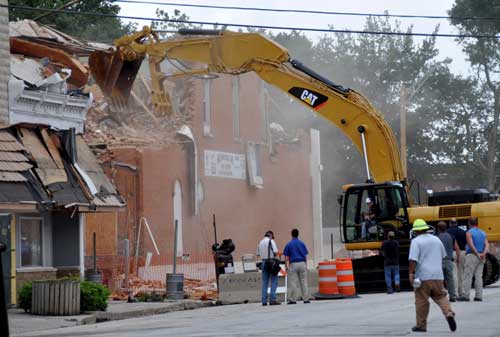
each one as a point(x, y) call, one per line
point(193, 289)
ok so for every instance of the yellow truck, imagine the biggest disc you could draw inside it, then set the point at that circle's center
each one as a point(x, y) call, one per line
point(227, 52)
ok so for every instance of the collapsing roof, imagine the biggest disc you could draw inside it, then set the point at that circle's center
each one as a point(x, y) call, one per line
point(38, 167)
point(14, 174)
point(31, 30)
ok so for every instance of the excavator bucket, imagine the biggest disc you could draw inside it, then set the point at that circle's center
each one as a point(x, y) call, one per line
point(114, 75)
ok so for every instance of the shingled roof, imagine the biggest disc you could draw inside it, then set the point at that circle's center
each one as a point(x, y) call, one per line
point(36, 169)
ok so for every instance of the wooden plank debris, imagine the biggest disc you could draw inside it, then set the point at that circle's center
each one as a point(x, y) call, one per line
point(47, 169)
point(54, 152)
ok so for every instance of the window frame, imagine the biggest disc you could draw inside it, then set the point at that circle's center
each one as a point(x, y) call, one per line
point(42, 244)
point(207, 107)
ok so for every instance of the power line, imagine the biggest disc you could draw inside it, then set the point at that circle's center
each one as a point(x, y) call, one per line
point(239, 25)
point(303, 11)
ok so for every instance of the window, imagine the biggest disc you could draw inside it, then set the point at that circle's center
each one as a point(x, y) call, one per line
point(30, 241)
point(236, 107)
point(207, 109)
point(352, 220)
point(254, 165)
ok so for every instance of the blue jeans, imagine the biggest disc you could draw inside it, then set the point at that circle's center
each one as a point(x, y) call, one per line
point(365, 225)
point(265, 283)
point(389, 270)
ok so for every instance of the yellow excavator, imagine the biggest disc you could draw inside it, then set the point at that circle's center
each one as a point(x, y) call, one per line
point(216, 51)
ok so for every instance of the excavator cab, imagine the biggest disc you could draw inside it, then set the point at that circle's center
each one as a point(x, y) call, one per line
point(370, 211)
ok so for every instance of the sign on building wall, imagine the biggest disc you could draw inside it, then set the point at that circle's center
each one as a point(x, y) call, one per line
point(225, 165)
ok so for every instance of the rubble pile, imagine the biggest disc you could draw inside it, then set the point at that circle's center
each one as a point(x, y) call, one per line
point(193, 289)
point(133, 123)
point(202, 290)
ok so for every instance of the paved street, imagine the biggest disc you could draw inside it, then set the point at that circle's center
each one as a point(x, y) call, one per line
point(370, 315)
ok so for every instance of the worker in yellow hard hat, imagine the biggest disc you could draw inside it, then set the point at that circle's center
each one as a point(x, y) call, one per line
point(426, 275)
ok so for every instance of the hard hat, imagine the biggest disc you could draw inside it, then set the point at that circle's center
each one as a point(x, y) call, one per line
point(368, 200)
point(420, 225)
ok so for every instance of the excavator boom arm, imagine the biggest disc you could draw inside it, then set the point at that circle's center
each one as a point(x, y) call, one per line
point(235, 53)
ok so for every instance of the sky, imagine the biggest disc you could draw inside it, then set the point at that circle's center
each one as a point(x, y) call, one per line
point(448, 46)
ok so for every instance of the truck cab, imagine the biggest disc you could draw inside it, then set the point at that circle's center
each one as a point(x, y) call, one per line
point(370, 211)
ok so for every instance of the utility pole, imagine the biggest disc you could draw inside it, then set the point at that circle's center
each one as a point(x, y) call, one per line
point(406, 95)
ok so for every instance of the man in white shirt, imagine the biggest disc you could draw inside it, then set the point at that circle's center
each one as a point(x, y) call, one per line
point(267, 250)
point(426, 256)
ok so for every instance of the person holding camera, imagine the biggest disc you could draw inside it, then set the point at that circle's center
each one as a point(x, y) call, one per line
point(268, 250)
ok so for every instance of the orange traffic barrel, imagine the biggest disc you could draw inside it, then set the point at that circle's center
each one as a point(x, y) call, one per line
point(345, 277)
point(327, 277)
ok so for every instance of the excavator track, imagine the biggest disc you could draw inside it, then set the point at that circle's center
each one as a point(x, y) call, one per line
point(491, 271)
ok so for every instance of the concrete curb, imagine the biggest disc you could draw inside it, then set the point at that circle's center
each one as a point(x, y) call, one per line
point(84, 320)
point(102, 316)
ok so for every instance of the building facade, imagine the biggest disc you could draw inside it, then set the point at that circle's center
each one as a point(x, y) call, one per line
point(230, 163)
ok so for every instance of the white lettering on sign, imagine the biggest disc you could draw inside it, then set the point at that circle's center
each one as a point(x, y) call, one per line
point(308, 97)
point(225, 165)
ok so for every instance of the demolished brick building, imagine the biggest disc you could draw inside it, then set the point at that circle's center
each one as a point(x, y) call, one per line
point(220, 153)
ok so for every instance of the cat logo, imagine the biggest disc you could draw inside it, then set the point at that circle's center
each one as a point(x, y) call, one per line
point(308, 97)
point(311, 98)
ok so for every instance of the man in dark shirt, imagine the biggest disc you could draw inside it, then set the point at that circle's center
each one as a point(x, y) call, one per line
point(458, 272)
point(450, 245)
point(390, 250)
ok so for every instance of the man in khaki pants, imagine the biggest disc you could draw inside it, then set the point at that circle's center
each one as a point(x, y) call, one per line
point(296, 264)
point(475, 256)
point(426, 275)
point(459, 235)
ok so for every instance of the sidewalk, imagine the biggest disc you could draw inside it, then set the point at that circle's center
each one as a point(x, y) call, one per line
point(21, 322)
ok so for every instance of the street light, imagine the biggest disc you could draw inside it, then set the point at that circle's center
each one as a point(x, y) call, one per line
point(406, 96)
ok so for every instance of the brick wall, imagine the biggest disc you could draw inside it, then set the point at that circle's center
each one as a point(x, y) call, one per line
point(243, 213)
point(25, 276)
point(68, 272)
point(4, 63)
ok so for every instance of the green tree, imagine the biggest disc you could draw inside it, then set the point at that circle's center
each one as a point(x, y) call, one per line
point(484, 56)
point(450, 124)
point(172, 21)
point(85, 27)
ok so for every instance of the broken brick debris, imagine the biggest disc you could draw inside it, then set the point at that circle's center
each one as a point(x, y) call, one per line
point(193, 289)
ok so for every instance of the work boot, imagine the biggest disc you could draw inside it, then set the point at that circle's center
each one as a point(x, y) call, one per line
point(418, 329)
point(274, 303)
point(307, 301)
point(292, 302)
point(389, 291)
point(451, 323)
point(463, 299)
point(398, 288)
point(477, 299)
